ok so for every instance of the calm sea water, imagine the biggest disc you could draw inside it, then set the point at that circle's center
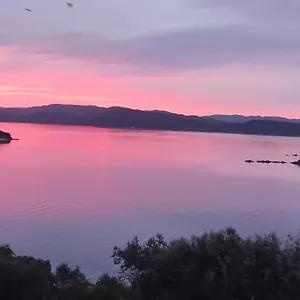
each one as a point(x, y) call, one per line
point(71, 193)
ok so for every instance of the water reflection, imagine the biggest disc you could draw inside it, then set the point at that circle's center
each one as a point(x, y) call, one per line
point(71, 193)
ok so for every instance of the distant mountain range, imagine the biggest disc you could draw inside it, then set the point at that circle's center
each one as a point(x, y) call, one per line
point(244, 119)
point(126, 118)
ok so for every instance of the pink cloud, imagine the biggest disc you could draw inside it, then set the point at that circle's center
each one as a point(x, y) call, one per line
point(29, 78)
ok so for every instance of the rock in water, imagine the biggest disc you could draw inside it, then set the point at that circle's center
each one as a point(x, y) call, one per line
point(297, 162)
point(5, 137)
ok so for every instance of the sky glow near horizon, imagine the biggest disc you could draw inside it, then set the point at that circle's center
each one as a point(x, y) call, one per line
point(187, 56)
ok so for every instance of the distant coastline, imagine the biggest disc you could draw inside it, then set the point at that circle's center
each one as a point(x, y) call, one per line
point(126, 118)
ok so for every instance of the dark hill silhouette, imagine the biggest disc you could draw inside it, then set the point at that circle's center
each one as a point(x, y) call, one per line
point(120, 117)
point(244, 119)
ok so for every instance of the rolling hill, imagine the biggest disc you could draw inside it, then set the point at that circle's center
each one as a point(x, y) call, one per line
point(126, 118)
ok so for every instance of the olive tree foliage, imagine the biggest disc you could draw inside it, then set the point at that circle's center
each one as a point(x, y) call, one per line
point(136, 259)
point(109, 288)
point(27, 278)
point(218, 265)
point(69, 283)
point(23, 277)
point(215, 265)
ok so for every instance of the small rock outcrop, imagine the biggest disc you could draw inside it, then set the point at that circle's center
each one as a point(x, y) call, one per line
point(5, 137)
point(296, 163)
point(266, 161)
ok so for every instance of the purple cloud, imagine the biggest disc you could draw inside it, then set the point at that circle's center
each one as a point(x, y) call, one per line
point(255, 37)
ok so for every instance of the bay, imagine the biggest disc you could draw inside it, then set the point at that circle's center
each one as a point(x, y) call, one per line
point(69, 194)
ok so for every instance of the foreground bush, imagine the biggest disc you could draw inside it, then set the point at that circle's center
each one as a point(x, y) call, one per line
point(214, 266)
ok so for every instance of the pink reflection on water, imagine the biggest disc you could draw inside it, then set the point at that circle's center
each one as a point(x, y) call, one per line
point(72, 193)
point(67, 173)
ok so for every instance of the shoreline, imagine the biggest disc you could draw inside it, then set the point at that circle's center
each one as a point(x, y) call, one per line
point(151, 129)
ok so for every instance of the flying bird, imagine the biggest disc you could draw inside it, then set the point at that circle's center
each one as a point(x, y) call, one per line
point(27, 9)
point(70, 4)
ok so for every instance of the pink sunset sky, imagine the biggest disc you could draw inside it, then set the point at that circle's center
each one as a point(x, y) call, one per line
point(188, 56)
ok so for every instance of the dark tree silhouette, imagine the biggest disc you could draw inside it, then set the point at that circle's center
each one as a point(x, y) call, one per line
point(213, 266)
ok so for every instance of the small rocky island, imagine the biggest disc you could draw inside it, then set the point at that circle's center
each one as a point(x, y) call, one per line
point(262, 161)
point(296, 163)
point(5, 137)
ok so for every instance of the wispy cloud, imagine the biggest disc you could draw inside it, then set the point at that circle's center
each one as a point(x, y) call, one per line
point(257, 38)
